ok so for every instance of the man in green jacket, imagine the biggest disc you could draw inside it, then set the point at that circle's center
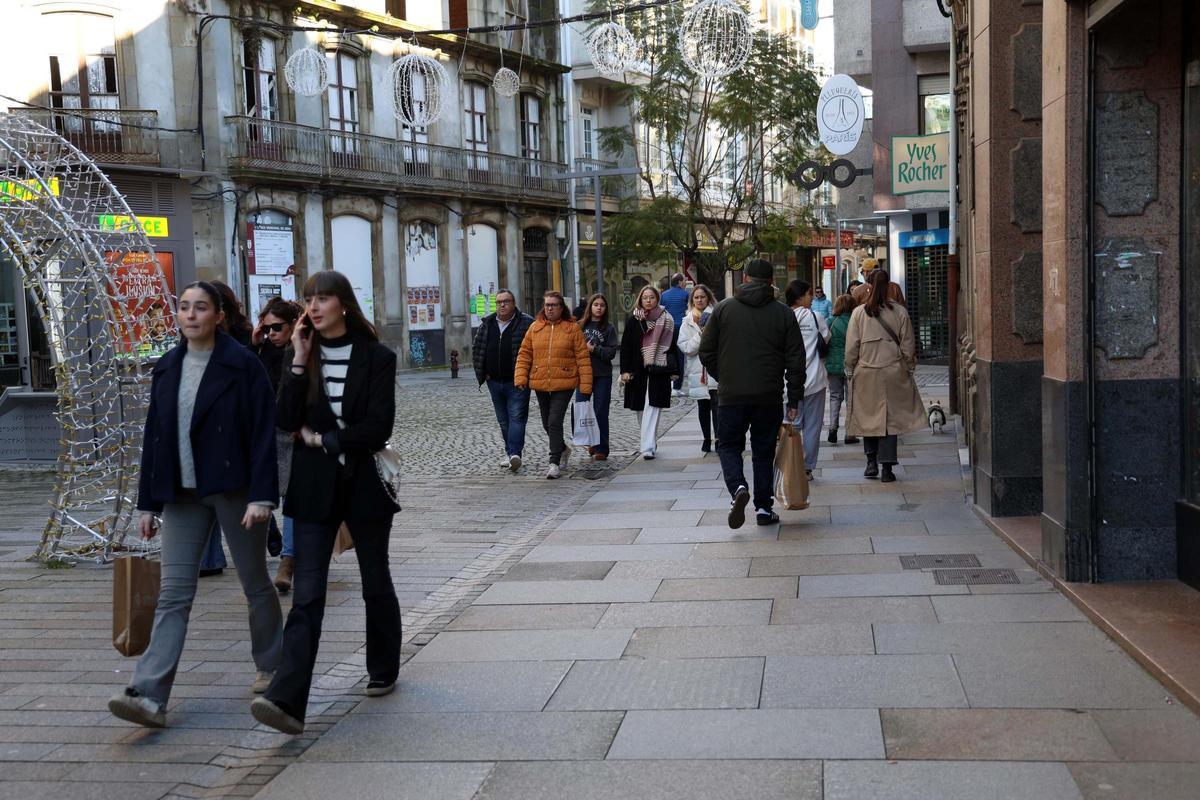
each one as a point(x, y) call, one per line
point(751, 342)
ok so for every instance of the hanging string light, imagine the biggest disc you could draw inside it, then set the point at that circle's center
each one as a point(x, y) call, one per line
point(715, 38)
point(306, 72)
point(611, 47)
point(420, 86)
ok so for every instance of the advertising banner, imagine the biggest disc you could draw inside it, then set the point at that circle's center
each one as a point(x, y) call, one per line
point(143, 309)
point(921, 164)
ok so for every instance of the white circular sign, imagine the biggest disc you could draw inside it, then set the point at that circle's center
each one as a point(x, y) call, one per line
point(840, 114)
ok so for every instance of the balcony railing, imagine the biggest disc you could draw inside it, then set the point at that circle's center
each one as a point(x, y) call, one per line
point(611, 187)
point(301, 151)
point(108, 135)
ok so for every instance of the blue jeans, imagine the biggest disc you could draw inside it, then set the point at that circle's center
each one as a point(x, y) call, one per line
point(512, 412)
point(763, 422)
point(601, 399)
point(289, 539)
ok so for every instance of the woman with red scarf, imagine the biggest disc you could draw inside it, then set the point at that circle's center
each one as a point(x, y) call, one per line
point(649, 362)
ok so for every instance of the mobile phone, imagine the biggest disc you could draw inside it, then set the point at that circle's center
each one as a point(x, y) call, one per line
point(306, 328)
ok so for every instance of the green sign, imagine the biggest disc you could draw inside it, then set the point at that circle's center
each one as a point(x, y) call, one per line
point(921, 164)
point(121, 223)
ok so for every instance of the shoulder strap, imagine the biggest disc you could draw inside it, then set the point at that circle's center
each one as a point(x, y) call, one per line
point(888, 329)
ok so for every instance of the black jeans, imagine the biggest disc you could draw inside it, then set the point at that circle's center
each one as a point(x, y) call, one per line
point(708, 416)
point(763, 422)
point(880, 448)
point(302, 634)
point(553, 406)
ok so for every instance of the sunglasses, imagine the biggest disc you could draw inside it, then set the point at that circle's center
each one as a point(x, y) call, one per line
point(275, 327)
point(552, 305)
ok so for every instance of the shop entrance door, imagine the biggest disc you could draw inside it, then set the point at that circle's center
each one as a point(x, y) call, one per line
point(925, 274)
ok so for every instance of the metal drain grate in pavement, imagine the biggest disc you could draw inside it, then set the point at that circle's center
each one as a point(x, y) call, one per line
point(932, 561)
point(974, 577)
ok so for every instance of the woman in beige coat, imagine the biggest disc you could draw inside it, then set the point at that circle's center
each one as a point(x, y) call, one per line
point(881, 355)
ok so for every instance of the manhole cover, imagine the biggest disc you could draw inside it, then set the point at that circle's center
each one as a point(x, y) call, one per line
point(974, 577)
point(932, 561)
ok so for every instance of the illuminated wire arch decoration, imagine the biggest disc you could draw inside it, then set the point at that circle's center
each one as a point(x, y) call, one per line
point(715, 38)
point(611, 47)
point(107, 313)
point(306, 72)
point(420, 87)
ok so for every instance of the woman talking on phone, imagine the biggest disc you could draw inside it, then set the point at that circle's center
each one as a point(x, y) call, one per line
point(208, 456)
point(337, 390)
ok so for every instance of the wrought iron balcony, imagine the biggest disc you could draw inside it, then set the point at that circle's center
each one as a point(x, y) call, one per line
point(300, 151)
point(108, 135)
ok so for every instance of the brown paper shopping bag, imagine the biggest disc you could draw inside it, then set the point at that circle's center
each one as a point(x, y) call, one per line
point(791, 482)
point(135, 599)
point(343, 542)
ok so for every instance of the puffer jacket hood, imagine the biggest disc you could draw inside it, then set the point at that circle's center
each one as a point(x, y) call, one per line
point(755, 294)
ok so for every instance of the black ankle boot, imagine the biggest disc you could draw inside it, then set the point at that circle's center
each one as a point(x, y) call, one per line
point(850, 439)
point(872, 470)
point(832, 436)
point(887, 476)
point(706, 447)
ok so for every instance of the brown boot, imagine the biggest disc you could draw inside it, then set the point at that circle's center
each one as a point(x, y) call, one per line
point(283, 577)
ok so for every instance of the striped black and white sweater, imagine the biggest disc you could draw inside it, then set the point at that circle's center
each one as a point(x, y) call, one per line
point(335, 363)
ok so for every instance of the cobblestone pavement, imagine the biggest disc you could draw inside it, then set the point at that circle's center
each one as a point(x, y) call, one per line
point(464, 522)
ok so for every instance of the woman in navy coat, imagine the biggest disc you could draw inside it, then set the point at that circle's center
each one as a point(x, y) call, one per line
point(208, 455)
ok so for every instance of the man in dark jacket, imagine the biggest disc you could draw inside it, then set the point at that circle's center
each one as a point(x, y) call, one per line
point(675, 301)
point(494, 356)
point(750, 344)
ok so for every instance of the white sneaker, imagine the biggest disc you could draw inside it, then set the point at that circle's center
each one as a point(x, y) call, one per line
point(262, 681)
point(133, 707)
point(552, 472)
point(506, 463)
point(514, 463)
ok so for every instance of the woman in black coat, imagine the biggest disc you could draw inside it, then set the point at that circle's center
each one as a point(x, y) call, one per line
point(649, 360)
point(208, 456)
point(338, 391)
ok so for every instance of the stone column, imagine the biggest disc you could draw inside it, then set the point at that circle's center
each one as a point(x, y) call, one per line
point(1006, 62)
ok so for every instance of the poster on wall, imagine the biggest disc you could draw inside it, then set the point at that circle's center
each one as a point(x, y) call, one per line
point(483, 271)
point(352, 257)
point(144, 310)
point(264, 287)
point(423, 295)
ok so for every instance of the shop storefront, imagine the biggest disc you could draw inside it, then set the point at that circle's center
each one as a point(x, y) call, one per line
point(926, 263)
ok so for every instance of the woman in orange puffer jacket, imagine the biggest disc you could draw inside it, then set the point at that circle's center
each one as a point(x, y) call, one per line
point(554, 362)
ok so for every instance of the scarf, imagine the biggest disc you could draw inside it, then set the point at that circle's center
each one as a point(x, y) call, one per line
point(656, 336)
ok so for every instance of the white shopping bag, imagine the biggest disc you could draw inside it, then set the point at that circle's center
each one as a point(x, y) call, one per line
point(587, 432)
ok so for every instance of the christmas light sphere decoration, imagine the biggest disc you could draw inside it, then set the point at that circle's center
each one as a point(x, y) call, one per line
point(715, 38)
point(611, 47)
point(506, 83)
point(306, 72)
point(420, 88)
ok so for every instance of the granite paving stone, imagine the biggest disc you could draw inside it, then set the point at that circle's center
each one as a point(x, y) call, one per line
point(870, 681)
point(524, 645)
point(947, 780)
point(882, 585)
point(530, 617)
point(761, 640)
point(610, 552)
point(1137, 781)
point(818, 515)
point(1007, 608)
point(823, 565)
point(584, 521)
point(654, 780)
point(706, 533)
point(532, 570)
point(809, 531)
point(749, 733)
point(990, 637)
point(414, 781)
point(472, 686)
point(1165, 734)
point(993, 734)
point(766, 549)
point(54, 790)
point(691, 568)
point(725, 588)
point(1064, 680)
point(964, 543)
point(542, 592)
point(852, 610)
point(642, 683)
point(684, 613)
point(510, 736)
point(597, 536)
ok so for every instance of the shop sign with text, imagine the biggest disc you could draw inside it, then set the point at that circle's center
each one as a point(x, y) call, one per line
point(921, 164)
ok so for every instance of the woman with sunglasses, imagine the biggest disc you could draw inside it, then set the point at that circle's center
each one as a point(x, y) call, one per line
point(554, 362)
point(270, 338)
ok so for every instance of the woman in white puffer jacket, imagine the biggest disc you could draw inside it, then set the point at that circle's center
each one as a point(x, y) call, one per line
point(698, 384)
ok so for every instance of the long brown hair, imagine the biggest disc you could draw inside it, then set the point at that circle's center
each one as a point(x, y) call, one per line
point(332, 282)
point(566, 312)
point(878, 282)
point(587, 310)
point(235, 322)
point(844, 304)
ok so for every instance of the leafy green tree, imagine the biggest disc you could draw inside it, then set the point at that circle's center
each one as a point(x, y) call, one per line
point(707, 150)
